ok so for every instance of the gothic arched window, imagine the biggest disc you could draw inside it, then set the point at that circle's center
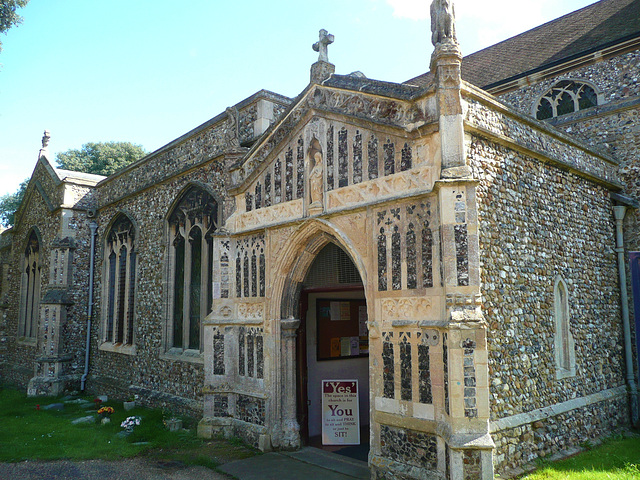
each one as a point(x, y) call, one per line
point(30, 289)
point(566, 96)
point(120, 282)
point(191, 225)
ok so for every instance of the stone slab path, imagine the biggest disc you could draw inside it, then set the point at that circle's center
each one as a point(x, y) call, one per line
point(126, 469)
point(308, 463)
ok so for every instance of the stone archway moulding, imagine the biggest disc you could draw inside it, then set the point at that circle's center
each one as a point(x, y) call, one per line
point(289, 270)
point(296, 258)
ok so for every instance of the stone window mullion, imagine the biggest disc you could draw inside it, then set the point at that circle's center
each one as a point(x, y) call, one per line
point(204, 282)
point(24, 285)
point(30, 295)
point(193, 219)
point(127, 285)
point(36, 299)
point(186, 297)
point(174, 232)
point(116, 298)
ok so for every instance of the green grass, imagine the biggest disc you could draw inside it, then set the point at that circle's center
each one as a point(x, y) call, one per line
point(29, 433)
point(615, 459)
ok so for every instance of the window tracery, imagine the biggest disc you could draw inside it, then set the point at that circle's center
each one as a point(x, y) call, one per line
point(30, 289)
point(566, 96)
point(120, 276)
point(191, 225)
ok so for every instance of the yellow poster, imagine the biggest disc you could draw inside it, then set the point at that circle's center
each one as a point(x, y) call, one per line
point(335, 347)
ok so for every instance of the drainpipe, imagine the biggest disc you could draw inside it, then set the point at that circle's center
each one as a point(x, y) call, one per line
point(619, 212)
point(94, 229)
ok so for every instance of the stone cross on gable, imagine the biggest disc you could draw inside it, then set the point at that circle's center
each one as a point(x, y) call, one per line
point(321, 45)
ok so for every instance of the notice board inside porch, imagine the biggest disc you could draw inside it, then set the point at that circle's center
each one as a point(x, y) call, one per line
point(342, 328)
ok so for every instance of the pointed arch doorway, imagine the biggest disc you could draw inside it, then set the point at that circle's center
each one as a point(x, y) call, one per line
point(332, 344)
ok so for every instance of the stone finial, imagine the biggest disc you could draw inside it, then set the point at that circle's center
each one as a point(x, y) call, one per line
point(321, 45)
point(443, 22)
point(45, 139)
point(232, 137)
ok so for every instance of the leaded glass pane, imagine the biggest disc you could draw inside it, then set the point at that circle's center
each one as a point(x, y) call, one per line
point(195, 288)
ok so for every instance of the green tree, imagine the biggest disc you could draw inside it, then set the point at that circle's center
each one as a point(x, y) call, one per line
point(102, 158)
point(8, 15)
point(9, 204)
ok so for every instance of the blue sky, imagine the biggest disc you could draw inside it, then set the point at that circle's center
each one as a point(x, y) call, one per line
point(148, 71)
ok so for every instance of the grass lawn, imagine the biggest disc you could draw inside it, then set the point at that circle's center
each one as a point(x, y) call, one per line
point(616, 459)
point(29, 432)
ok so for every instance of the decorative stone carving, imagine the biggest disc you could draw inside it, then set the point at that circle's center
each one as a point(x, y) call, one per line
point(265, 216)
point(232, 140)
point(367, 106)
point(251, 311)
point(460, 299)
point(430, 337)
point(416, 180)
point(407, 308)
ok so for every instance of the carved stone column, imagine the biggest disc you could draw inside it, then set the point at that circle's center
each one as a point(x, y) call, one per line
point(445, 65)
point(290, 427)
point(51, 371)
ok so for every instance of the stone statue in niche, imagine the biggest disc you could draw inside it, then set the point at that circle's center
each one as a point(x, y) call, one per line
point(316, 189)
point(443, 28)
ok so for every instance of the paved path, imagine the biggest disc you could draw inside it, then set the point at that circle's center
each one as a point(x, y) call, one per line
point(128, 469)
point(307, 464)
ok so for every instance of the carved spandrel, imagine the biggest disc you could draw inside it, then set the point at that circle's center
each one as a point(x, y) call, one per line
point(355, 227)
point(274, 214)
point(416, 180)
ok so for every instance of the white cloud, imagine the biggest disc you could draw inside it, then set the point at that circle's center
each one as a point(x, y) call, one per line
point(481, 23)
point(412, 9)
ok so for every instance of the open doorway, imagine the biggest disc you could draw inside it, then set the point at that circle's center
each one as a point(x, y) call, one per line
point(332, 345)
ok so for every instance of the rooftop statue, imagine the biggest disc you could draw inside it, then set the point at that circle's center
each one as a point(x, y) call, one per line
point(443, 27)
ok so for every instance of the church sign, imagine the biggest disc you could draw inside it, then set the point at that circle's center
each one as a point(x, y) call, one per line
point(340, 412)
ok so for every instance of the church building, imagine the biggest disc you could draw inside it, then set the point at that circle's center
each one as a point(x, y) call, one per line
point(455, 258)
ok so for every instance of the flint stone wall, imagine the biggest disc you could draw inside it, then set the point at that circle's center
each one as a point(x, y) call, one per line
point(613, 127)
point(20, 357)
point(162, 380)
point(523, 444)
point(537, 222)
point(617, 78)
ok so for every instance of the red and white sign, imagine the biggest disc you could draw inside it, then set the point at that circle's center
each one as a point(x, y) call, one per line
point(340, 412)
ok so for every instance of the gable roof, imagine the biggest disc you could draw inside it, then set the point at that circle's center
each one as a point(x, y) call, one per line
point(590, 29)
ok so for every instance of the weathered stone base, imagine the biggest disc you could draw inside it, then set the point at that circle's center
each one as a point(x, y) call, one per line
point(515, 447)
point(15, 375)
point(255, 435)
point(46, 386)
point(386, 469)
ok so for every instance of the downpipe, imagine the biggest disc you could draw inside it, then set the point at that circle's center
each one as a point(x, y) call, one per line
point(94, 229)
point(619, 213)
